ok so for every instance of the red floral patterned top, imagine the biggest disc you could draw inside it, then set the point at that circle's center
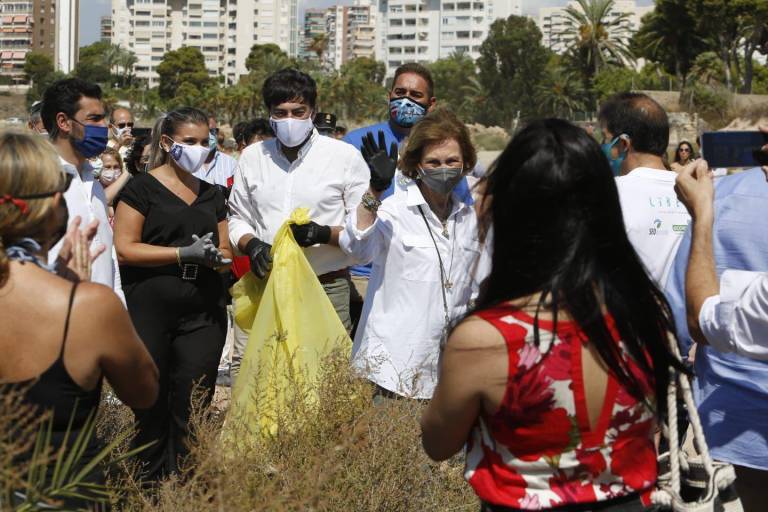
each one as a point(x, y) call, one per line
point(538, 451)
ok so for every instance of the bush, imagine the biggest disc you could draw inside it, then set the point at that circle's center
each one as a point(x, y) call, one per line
point(344, 454)
point(712, 102)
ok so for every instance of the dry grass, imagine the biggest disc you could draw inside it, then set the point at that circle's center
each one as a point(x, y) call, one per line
point(344, 454)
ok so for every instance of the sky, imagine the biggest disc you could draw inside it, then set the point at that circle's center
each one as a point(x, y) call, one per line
point(92, 10)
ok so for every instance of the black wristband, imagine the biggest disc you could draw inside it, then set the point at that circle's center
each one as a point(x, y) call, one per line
point(324, 234)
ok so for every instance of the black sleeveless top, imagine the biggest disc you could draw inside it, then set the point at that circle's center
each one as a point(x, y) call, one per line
point(55, 390)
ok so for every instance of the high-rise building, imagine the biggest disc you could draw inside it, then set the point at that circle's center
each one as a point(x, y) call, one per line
point(223, 30)
point(15, 40)
point(46, 26)
point(427, 30)
point(351, 32)
point(314, 26)
point(105, 28)
point(553, 23)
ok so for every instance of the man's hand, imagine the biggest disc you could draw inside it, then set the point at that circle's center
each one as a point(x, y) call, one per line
point(382, 165)
point(695, 188)
point(125, 139)
point(258, 253)
point(76, 255)
point(311, 234)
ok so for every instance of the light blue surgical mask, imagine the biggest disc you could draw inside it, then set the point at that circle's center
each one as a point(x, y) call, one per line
point(614, 162)
point(212, 142)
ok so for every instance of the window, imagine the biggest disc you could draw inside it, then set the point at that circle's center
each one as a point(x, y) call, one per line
point(395, 23)
point(208, 35)
point(410, 23)
point(158, 24)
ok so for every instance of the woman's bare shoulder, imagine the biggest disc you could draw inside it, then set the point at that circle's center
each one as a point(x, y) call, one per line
point(475, 333)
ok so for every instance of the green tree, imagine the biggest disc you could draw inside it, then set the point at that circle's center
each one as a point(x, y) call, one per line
point(511, 67)
point(266, 59)
point(94, 62)
point(183, 66)
point(453, 78)
point(561, 92)
point(668, 35)
point(596, 36)
point(38, 67)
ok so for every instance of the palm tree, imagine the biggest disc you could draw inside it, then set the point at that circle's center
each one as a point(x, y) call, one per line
point(597, 35)
point(561, 94)
point(319, 45)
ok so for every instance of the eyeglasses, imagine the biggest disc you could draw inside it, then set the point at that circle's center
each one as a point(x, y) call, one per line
point(123, 125)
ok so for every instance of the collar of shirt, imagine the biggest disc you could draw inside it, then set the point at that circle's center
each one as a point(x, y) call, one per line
point(303, 150)
point(85, 176)
point(648, 172)
point(415, 198)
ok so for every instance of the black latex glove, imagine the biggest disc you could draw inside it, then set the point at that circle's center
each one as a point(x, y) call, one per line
point(382, 165)
point(261, 261)
point(311, 234)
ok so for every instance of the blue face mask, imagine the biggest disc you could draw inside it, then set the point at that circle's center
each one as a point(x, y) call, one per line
point(614, 162)
point(405, 112)
point(94, 142)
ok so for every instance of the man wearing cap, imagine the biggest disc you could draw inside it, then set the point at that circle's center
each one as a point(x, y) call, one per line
point(325, 123)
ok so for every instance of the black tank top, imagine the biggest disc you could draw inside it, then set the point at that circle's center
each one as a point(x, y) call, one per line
point(55, 390)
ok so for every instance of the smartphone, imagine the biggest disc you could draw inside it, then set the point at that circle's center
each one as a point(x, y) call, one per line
point(139, 133)
point(734, 149)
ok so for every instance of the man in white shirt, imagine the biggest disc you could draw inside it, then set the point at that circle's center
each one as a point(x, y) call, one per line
point(299, 168)
point(74, 118)
point(730, 315)
point(219, 168)
point(636, 135)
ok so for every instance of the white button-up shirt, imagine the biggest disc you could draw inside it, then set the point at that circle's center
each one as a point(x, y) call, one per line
point(329, 177)
point(737, 319)
point(398, 340)
point(85, 198)
point(654, 218)
point(219, 171)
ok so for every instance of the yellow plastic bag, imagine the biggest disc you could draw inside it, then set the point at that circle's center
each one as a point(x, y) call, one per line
point(292, 327)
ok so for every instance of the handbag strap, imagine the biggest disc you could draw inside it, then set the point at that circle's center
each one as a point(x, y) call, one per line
point(676, 378)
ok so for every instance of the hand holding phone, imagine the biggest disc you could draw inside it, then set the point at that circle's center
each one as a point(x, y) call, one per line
point(735, 149)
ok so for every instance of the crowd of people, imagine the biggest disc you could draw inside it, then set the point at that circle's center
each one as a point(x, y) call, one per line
point(531, 305)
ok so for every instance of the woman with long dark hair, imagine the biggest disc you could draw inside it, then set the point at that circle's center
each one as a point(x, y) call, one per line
point(683, 156)
point(558, 379)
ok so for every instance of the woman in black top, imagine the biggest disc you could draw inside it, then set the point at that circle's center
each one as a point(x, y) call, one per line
point(171, 242)
point(59, 339)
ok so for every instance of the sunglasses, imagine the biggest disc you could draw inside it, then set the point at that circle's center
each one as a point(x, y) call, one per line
point(123, 125)
point(685, 150)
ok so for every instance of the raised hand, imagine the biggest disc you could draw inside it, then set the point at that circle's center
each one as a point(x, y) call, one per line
point(382, 164)
point(76, 255)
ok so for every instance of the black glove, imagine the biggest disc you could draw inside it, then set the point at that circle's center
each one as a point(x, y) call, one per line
point(261, 261)
point(382, 165)
point(311, 234)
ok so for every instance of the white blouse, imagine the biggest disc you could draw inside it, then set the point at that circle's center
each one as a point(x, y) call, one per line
point(398, 339)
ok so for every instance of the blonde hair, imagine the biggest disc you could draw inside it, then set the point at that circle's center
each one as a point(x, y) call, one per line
point(114, 154)
point(438, 126)
point(28, 165)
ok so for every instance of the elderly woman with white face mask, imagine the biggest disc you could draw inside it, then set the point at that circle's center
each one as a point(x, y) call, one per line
point(424, 245)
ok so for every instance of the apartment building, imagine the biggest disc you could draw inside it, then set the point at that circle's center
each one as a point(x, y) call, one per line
point(314, 26)
point(351, 32)
point(552, 22)
point(15, 40)
point(47, 26)
point(105, 28)
point(223, 30)
point(427, 30)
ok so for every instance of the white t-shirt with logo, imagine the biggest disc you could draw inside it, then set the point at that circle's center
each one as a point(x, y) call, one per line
point(654, 218)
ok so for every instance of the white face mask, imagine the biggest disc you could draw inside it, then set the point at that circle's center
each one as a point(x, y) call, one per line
point(190, 158)
point(120, 131)
point(109, 175)
point(291, 132)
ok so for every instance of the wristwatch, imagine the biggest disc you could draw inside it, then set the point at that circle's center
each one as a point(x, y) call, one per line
point(370, 202)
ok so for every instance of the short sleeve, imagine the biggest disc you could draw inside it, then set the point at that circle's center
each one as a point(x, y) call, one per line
point(136, 195)
point(220, 203)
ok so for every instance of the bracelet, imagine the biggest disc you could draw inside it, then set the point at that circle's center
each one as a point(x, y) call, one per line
point(370, 202)
point(178, 256)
